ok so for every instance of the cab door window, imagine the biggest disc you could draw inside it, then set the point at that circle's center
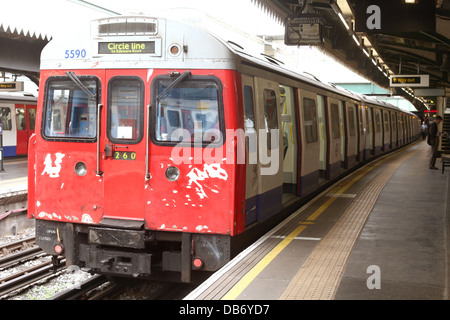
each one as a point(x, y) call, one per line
point(125, 110)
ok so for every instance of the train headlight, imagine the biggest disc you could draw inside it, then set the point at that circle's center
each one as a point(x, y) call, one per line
point(80, 169)
point(172, 173)
point(174, 50)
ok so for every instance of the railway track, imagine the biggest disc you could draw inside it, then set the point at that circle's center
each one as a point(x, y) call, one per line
point(24, 278)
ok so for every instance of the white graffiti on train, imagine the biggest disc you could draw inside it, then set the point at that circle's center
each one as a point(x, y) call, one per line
point(53, 171)
point(209, 171)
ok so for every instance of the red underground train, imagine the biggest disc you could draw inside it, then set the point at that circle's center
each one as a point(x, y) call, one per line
point(157, 143)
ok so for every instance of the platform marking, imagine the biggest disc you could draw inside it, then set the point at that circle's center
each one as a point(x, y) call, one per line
point(240, 286)
point(320, 275)
point(213, 280)
point(297, 238)
point(253, 273)
point(13, 182)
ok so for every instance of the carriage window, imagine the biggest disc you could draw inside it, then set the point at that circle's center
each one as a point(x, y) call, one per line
point(69, 111)
point(310, 120)
point(5, 116)
point(335, 121)
point(351, 121)
point(270, 110)
point(20, 119)
point(249, 116)
point(125, 110)
point(377, 121)
point(386, 122)
point(31, 118)
point(187, 112)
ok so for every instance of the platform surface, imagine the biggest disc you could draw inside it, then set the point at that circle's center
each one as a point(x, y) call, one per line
point(14, 178)
point(380, 233)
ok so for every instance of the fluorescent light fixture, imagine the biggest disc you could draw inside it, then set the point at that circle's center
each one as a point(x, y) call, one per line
point(356, 40)
point(366, 52)
point(343, 20)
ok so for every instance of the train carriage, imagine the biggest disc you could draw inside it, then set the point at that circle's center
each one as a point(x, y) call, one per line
point(18, 118)
point(158, 143)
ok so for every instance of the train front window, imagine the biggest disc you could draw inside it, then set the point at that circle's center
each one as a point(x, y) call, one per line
point(70, 113)
point(189, 111)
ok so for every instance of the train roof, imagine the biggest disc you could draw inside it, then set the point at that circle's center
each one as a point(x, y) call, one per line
point(94, 48)
point(20, 97)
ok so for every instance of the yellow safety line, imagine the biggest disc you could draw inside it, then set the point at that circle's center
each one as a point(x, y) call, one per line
point(253, 273)
point(2, 182)
point(240, 286)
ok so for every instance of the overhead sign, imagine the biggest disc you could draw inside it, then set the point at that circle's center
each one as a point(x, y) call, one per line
point(438, 92)
point(394, 16)
point(415, 80)
point(11, 86)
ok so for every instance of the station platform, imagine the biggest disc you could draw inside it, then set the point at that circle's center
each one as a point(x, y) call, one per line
point(381, 233)
point(15, 175)
point(13, 183)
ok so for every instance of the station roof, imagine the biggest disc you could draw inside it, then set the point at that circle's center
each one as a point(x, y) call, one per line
point(408, 48)
point(21, 51)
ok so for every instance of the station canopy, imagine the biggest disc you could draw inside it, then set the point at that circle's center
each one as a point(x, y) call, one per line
point(401, 45)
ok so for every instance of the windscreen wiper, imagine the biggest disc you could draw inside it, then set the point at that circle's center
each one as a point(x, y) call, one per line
point(185, 74)
point(72, 76)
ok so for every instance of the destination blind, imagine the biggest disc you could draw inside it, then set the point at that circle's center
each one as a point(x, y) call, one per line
point(133, 47)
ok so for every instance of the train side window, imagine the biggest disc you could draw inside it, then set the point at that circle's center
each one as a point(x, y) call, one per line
point(377, 121)
point(270, 110)
point(125, 110)
point(20, 119)
point(70, 113)
point(335, 121)
point(189, 112)
point(31, 118)
point(310, 120)
point(249, 115)
point(351, 121)
point(5, 115)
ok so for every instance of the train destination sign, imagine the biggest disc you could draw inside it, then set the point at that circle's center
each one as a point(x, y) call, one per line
point(415, 80)
point(132, 47)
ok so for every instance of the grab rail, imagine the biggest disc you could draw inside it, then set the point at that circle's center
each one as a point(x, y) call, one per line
point(99, 108)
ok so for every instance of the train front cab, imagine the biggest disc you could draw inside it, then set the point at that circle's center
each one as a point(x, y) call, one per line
point(113, 206)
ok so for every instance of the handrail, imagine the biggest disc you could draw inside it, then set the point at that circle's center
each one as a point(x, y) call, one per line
point(99, 108)
point(148, 176)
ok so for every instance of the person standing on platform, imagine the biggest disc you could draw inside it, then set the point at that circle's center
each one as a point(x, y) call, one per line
point(433, 141)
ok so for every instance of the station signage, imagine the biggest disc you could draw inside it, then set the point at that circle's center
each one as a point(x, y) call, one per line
point(131, 47)
point(416, 80)
point(11, 86)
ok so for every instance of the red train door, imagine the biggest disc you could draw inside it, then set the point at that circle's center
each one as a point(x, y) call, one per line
point(31, 115)
point(124, 144)
point(22, 133)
